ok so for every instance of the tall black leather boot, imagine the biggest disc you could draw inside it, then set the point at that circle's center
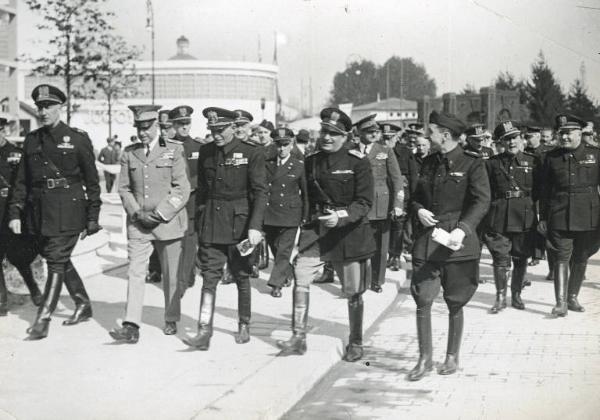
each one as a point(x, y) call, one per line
point(3, 293)
point(34, 290)
point(205, 324)
point(500, 280)
point(40, 326)
point(297, 343)
point(455, 329)
point(244, 311)
point(551, 265)
point(354, 350)
point(516, 284)
point(575, 281)
point(83, 307)
point(425, 363)
point(561, 286)
point(328, 274)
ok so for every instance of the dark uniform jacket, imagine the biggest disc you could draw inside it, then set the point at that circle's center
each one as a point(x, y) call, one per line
point(271, 152)
point(191, 151)
point(388, 181)
point(408, 167)
point(514, 182)
point(156, 182)
point(10, 156)
point(108, 155)
point(287, 196)
point(342, 181)
point(51, 205)
point(570, 188)
point(455, 188)
point(232, 191)
point(539, 151)
point(485, 152)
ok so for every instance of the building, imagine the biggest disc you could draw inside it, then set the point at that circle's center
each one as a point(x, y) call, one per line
point(9, 103)
point(393, 110)
point(182, 79)
point(489, 107)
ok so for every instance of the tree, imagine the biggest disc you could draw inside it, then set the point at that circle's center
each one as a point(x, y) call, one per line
point(507, 81)
point(75, 27)
point(544, 94)
point(115, 76)
point(580, 104)
point(356, 84)
point(469, 89)
point(405, 78)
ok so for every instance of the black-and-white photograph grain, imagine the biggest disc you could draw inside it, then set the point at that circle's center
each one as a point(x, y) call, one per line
point(299, 209)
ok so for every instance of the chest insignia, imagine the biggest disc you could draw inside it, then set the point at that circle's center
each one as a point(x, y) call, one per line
point(588, 159)
point(456, 174)
point(342, 171)
point(166, 155)
point(66, 143)
point(194, 155)
point(381, 156)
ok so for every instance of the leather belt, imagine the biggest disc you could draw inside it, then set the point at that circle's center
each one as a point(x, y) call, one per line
point(513, 194)
point(576, 190)
point(54, 183)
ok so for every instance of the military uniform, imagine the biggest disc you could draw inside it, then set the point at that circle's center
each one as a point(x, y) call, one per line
point(454, 187)
point(231, 200)
point(509, 228)
point(338, 181)
point(57, 195)
point(109, 156)
point(571, 208)
point(484, 152)
point(287, 209)
point(154, 189)
point(388, 186)
point(17, 248)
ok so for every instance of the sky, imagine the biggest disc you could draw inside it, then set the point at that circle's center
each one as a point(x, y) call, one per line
point(459, 42)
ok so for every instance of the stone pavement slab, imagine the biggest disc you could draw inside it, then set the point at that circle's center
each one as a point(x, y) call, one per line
point(515, 365)
point(78, 372)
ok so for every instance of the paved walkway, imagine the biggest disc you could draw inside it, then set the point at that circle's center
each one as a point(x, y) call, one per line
point(78, 372)
point(515, 365)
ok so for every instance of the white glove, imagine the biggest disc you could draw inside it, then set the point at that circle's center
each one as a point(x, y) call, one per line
point(331, 220)
point(397, 212)
point(15, 226)
point(427, 218)
point(254, 236)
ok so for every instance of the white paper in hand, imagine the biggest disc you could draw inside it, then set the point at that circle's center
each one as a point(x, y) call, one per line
point(245, 248)
point(443, 238)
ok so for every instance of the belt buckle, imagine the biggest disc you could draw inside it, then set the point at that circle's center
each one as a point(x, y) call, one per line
point(4, 192)
point(508, 194)
point(62, 182)
point(50, 183)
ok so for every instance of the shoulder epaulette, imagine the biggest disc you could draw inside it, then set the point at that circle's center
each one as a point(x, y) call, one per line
point(80, 131)
point(591, 146)
point(472, 154)
point(249, 142)
point(356, 153)
point(174, 141)
point(132, 146)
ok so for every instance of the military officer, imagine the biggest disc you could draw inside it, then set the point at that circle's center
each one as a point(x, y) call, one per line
point(167, 132)
point(569, 210)
point(154, 189)
point(12, 246)
point(475, 137)
point(452, 194)
point(388, 199)
point(231, 200)
point(340, 194)
point(181, 118)
point(409, 169)
point(287, 207)
point(57, 195)
point(509, 228)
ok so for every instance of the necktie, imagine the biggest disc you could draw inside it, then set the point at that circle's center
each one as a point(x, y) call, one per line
point(147, 150)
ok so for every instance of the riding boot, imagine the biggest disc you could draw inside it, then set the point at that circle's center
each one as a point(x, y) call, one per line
point(297, 343)
point(34, 290)
point(40, 326)
point(500, 280)
point(205, 324)
point(328, 274)
point(551, 265)
point(561, 286)
point(516, 284)
point(575, 281)
point(425, 363)
point(244, 311)
point(455, 329)
point(3, 293)
point(83, 307)
point(354, 350)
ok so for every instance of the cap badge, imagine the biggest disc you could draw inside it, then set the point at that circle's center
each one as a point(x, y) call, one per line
point(44, 92)
point(478, 130)
point(238, 114)
point(334, 117)
point(282, 132)
point(212, 117)
point(66, 139)
point(507, 125)
point(562, 120)
point(386, 128)
point(183, 112)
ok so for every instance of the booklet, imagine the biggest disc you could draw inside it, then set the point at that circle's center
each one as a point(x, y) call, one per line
point(442, 237)
point(245, 248)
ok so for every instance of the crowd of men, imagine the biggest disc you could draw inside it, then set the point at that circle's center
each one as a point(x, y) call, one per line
point(350, 203)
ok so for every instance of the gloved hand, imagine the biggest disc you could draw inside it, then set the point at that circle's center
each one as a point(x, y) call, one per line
point(456, 239)
point(91, 228)
point(427, 218)
point(148, 219)
point(15, 226)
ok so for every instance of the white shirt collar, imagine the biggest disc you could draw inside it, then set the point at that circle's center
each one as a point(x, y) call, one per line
point(152, 144)
point(282, 162)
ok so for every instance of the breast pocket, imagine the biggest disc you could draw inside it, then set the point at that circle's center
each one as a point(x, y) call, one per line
point(524, 176)
point(68, 159)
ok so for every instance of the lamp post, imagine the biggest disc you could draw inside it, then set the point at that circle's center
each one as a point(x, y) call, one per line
point(150, 27)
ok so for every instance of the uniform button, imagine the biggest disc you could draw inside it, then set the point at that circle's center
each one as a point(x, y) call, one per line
point(281, 194)
point(281, 205)
point(283, 185)
point(218, 208)
point(146, 186)
point(267, 204)
point(145, 166)
point(270, 184)
point(219, 179)
point(146, 176)
point(146, 196)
